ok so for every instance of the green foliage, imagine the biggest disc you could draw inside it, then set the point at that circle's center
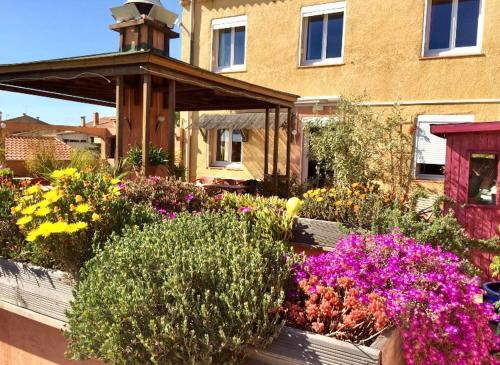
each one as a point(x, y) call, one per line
point(354, 206)
point(82, 159)
point(495, 266)
point(195, 290)
point(269, 213)
point(7, 192)
point(43, 161)
point(5, 172)
point(437, 228)
point(358, 145)
point(79, 213)
point(157, 156)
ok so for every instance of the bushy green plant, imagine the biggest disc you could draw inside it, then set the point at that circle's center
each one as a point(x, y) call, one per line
point(80, 211)
point(5, 172)
point(354, 206)
point(157, 156)
point(495, 266)
point(270, 213)
point(359, 145)
point(42, 161)
point(167, 195)
point(82, 159)
point(200, 289)
point(7, 194)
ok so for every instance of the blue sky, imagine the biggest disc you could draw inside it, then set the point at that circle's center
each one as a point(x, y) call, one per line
point(33, 30)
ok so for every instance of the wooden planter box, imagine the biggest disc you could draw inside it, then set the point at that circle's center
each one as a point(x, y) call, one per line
point(39, 290)
point(316, 233)
point(296, 347)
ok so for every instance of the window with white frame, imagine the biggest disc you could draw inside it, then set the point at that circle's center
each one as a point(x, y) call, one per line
point(229, 43)
point(430, 150)
point(227, 148)
point(323, 34)
point(453, 27)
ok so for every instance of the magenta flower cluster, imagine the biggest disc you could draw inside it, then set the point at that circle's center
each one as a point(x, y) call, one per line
point(426, 295)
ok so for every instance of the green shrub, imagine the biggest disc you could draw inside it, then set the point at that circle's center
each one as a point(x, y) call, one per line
point(195, 290)
point(157, 156)
point(269, 213)
point(42, 161)
point(354, 206)
point(5, 172)
point(82, 159)
point(80, 212)
point(358, 144)
point(11, 238)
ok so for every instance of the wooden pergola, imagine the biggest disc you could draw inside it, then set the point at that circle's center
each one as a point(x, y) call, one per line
point(147, 89)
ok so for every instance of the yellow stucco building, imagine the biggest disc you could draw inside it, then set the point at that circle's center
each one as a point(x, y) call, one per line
point(439, 59)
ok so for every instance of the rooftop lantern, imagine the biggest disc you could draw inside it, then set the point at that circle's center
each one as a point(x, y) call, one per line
point(144, 25)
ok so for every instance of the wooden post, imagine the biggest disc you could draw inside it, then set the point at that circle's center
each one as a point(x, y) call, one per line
point(276, 147)
point(119, 117)
point(266, 145)
point(171, 122)
point(288, 147)
point(146, 113)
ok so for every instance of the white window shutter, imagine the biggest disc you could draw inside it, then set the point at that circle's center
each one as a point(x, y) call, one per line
point(431, 149)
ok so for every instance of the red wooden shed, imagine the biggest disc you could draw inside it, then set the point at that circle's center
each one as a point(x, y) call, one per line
point(472, 178)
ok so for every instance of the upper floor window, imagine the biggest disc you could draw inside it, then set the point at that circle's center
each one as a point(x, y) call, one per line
point(323, 34)
point(229, 43)
point(453, 27)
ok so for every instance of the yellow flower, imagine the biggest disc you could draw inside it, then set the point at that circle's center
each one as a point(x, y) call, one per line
point(78, 199)
point(72, 228)
point(305, 195)
point(116, 191)
point(323, 190)
point(26, 198)
point(96, 217)
point(70, 171)
point(17, 208)
point(82, 208)
point(44, 203)
point(319, 200)
point(115, 181)
point(33, 189)
point(57, 174)
point(42, 212)
point(44, 229)
point(293, 206)
point(29, 210)
point(356, 208)
point(52, 196)
point(33, 235)
point(355, 185)
point(24, 220)
point(349, 202)
point(59, 227)
point(338, 203)
point(81, 225)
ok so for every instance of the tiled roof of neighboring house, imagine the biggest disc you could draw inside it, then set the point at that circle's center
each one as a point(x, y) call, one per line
point(21, 148)
point(25, 119)
point(104, 122)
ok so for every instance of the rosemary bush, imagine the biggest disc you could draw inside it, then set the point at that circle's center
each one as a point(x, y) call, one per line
point(194, 290)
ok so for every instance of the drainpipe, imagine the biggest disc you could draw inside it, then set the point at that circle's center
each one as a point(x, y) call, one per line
point(191, 32)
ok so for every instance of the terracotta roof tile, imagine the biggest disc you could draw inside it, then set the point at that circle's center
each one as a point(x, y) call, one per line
point(21, 148)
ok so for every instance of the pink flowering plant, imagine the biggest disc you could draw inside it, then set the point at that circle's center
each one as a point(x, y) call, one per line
point(167, 195)
point(417, 288)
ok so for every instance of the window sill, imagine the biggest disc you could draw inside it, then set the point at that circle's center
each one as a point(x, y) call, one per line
point(229, 70)
point(427, 178)
point(322, 64)
point(229, 167)
point(448, 56)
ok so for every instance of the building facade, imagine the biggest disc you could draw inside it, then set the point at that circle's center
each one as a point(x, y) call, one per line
point(439, 59)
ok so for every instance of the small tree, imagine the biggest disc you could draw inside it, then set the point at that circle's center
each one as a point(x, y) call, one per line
point(359, 145)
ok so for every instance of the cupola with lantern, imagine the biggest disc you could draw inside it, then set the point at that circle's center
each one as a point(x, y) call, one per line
point(144, 25)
